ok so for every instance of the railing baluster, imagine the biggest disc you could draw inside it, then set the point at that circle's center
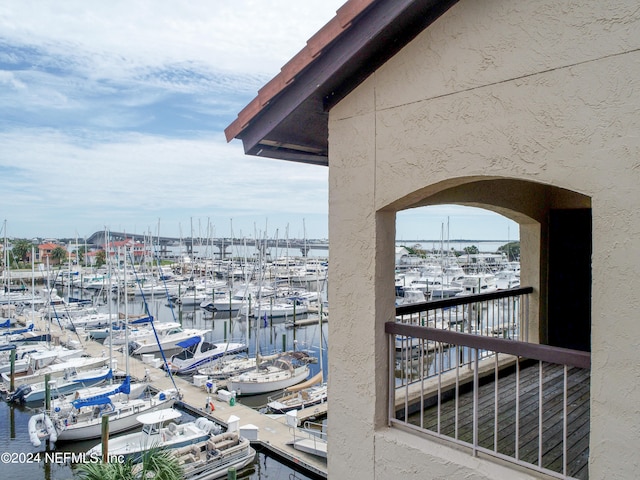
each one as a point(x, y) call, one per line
point(426, 352)
point(540, 398)
point(439, 347)
point(392, 378)
point(457, 397)
point(517, 439)
point(476, 386)
point(424, 344)
point(495, 403)
point(564, 422)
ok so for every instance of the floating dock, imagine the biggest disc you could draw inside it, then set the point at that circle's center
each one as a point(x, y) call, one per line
point(271, 433)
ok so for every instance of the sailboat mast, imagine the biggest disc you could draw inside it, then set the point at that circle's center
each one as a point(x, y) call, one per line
point(33, 283)
point(109, 286)
point(126, 314)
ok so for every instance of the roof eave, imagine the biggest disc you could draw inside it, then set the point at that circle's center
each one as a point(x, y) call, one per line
point(289, 118)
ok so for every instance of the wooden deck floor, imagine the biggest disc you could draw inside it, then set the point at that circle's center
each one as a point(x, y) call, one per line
point(529, 417)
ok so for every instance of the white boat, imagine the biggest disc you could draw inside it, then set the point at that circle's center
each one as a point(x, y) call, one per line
point(154, 434)
point(157, 289)
point(267, 309)
point(169, 334)
point(226, 367)
point(303, 395)
point(93, 320)
point(84, 420)
point(213, 458)
point(62, 405)
point(201, 292)
point(198, 352)
point(75, 380)
point(40, 428)
point(277, 372)
point(506, 279)
point(478, 283)
point(36, 356)
point(239, 298)
point(56, 370)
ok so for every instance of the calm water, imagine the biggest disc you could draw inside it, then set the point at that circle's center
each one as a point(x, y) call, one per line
point(14, 436)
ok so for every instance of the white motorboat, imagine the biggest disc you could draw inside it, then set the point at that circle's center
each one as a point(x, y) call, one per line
point(154, 433)
point(169, 334)
point(240, 297)
point(56, 370)
point(157, 289)
point(74, 380)
point(198, 293)
point(267, 309)
point(213, 458)
point(478, 283)
point(198, 352)
point(37, 356)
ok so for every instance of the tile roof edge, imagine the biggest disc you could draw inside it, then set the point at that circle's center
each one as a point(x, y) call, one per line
point(313, 48)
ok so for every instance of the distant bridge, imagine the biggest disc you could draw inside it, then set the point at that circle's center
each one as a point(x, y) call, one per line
point(223, 244)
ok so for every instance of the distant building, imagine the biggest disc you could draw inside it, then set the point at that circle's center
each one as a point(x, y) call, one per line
point(45, 251)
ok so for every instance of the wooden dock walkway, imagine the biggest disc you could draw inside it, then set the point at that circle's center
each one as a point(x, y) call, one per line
point(273, 432)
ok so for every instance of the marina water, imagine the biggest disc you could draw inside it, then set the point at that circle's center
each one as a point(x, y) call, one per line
point(14, 437)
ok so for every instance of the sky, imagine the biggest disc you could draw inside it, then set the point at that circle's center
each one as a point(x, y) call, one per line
point(112, 116)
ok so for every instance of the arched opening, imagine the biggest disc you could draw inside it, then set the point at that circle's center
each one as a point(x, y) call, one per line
point(464, 365)
point(553, 226)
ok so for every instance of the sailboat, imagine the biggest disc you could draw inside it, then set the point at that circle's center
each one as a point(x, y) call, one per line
point(302, 395)
point(226, 367)
point(306, 394)
point(272, 373)
point(81, 419)
point(84, 420)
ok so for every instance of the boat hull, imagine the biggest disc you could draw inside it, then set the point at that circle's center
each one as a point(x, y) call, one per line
point(249, 384)
point(117, 423)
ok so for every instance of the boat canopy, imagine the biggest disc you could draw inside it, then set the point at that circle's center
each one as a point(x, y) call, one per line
point(6, 323)
point(21, 330)
point(8, 346)
point(189, 342)
point(147, 319)
point(124, 387)
point(106, 376)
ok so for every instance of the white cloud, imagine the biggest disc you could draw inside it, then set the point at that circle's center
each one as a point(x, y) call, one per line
point(109, 38)
point(147, 175)
point(113, 114)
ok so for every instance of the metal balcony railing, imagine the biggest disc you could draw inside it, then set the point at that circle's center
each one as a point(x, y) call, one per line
point(462, 370)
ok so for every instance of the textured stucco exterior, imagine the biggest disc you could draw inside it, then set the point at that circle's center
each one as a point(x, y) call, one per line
point(518, 106)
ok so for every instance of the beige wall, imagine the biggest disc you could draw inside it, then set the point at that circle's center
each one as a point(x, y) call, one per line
point(544, 92)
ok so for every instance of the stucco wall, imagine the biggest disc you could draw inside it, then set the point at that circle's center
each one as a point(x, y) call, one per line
point(543, 91)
